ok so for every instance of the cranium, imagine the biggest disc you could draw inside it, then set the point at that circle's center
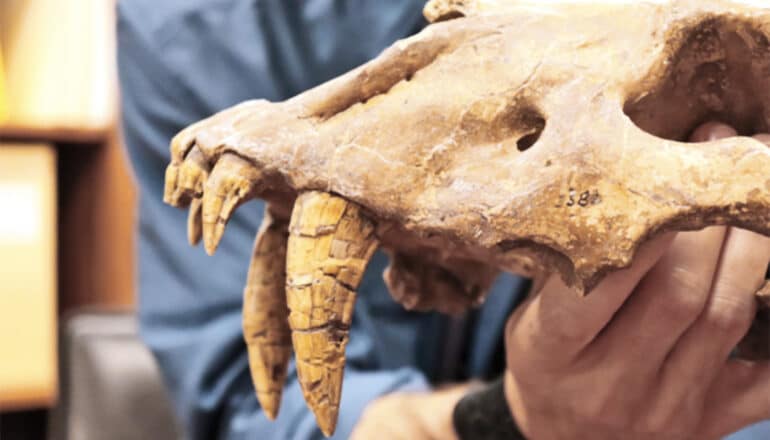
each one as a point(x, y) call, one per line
point(523, 136)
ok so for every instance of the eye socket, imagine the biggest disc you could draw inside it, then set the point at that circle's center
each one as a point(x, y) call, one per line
point(716, 72)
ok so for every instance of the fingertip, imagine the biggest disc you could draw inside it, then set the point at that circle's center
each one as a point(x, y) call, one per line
point(651, 251)
point(711, 131)
point(763, 137)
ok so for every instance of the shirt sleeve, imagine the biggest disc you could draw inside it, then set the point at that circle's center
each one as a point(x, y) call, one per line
point(180, 61)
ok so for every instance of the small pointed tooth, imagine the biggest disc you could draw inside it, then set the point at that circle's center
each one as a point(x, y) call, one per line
point(184, 180)
point(172, 175)
point(194, 222)
point(330, 244)
point(193, 174)
point(232, 182)
point(265, 314)
point(211, 206)
point(450, 288)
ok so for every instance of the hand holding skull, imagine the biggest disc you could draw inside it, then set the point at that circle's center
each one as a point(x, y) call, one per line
point(512, 135)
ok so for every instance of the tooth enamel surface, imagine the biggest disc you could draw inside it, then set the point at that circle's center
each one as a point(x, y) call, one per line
point(231, 183)
point(194, 222)
point(172, 174)
point(330, 244)
point(192, 174)
point(265, 315)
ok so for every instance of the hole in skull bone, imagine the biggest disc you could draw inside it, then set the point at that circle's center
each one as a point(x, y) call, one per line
point(720, 73)
point(529, 125)
point(529, 139)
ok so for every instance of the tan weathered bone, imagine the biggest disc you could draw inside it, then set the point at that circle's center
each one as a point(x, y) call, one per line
point(265, 326)
point(522, 135)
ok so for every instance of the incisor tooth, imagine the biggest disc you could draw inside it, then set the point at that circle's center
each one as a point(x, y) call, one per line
point(231, 183)
point(330, 244)
point(185, 180)
point(192, 175)
point(172, 174)
point(194, 222)
point(265, 316)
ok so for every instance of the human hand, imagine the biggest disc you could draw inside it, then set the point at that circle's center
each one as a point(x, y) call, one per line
point(645, 355)
point(411, 416)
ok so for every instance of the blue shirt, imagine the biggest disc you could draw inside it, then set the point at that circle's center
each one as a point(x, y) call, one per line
point(183, 60)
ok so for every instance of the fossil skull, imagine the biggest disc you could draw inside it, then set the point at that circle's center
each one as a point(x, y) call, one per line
point(519, 135)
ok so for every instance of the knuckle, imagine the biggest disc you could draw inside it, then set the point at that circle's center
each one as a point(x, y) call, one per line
point(735, 284)
point(566, 327)
point(686, 280)
point(730, 313)
point(676, 422)
point(682, 305)
point(674, 425)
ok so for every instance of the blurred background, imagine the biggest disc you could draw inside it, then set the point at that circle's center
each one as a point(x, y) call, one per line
point(71, 365)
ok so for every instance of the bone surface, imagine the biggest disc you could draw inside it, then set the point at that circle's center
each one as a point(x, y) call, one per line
point(525, 136)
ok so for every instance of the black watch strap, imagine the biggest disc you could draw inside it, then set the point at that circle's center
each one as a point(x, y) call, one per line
point(484, 415)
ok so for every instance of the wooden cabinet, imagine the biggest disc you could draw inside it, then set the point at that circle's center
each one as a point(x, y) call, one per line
point(27, 274)
point(59, 107)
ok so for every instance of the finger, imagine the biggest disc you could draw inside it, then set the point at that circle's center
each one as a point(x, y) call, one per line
point(559, 323)
point(666, 302)
point(711, 131)
point(389, 429)
point(706, 345)
point(672, 295)
point(755, 345)
point(763, 137)
point(378, 421)
point(739, 397)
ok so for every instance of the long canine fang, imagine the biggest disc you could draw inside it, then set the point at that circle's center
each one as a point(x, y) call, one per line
point(265, 315)
point(330, 244)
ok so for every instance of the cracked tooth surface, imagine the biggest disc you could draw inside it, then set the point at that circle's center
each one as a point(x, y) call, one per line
point(194, 222)
point(185, 181)
point(330, 244)
point(169, 189)
point(192, 175)
point(265, 315)
point(232, 182)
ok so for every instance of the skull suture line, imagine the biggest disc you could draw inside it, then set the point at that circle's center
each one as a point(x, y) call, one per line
point(508, 135)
